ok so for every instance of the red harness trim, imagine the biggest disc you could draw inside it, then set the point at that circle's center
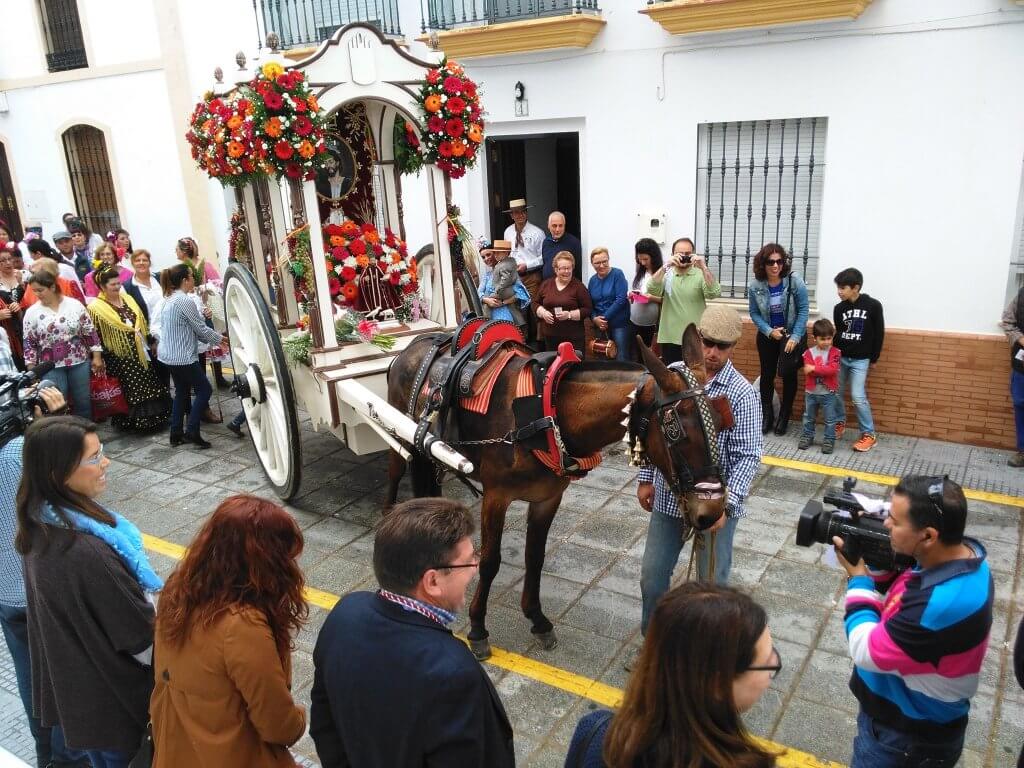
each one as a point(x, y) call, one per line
point(553, 458)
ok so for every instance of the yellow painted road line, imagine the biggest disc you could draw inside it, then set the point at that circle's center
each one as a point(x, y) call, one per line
point(554, 677)
point(870, 477)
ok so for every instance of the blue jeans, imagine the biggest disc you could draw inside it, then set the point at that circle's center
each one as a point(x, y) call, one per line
point(856, 372)
point(661, 553)
point(50, 747)
point(239, 420)
point(623, 341)
point(187, 379)
point(827, 404)
point(73, 383)
point(1017, 395)
point(111, 759)
point(878, 746)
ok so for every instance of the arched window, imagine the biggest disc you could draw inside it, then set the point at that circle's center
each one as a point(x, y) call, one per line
point(91, 181)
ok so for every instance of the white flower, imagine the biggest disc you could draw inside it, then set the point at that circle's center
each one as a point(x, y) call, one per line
point(350, 261)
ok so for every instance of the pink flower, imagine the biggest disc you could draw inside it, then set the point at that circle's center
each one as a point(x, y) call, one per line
point(367, 329)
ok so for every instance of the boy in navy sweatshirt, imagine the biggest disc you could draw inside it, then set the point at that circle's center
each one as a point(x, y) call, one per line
point(860, 330)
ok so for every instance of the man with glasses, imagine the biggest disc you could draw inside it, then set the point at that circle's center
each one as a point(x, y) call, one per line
point(740, 449)
point(918, 636)
point(392, 686)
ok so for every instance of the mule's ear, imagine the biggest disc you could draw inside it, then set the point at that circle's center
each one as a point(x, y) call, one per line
point(693, 348)
point(666, 379)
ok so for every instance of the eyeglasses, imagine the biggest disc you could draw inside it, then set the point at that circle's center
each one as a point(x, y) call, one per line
point(774, 262)
point(600, 263)
point(474, 564)
point(774, 669)
point(95, 460)
point(722, 345)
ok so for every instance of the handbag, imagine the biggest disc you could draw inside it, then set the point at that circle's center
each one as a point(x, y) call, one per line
point(144, 757)
point(107, 397)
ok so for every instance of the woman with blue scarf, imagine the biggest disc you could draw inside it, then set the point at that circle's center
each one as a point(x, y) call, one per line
point(89, 588)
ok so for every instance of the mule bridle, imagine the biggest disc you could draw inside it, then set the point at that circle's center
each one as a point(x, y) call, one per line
point(682, 478)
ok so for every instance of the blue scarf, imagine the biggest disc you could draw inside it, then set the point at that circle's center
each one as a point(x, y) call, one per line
point(124, 538)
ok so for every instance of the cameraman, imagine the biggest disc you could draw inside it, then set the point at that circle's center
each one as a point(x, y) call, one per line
point(918, 637)
point(49, 743)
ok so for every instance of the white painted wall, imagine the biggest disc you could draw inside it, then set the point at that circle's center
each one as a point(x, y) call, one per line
point(924, 149)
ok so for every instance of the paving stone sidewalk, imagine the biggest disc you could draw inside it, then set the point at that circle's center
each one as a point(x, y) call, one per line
point(590, 587)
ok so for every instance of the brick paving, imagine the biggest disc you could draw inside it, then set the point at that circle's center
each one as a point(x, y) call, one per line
point(590, 587)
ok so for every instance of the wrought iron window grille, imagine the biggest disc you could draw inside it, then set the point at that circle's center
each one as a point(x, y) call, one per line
point(62, 33)
point(91, 182)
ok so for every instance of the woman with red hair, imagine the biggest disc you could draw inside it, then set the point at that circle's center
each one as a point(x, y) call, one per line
point(222, 655)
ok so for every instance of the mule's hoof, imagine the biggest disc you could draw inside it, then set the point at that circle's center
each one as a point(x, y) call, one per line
point(481, 649)
point(548, 641)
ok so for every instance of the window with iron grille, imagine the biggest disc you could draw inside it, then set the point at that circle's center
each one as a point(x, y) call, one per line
point(307, 22)
point(91, 182)
point(759, 182)
point(448, 14)
point(62, 32)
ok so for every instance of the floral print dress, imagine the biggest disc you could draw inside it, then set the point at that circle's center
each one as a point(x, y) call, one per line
point(64, 337)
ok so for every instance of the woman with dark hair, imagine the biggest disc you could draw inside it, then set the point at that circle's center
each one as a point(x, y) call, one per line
point(122, 241)
point(13, 301)
point(84, 242)
point(126, 343)
point(104, 257)
point(779, 308)
point(228, 620)
point(89, 590)
point(643, 308)
point(707, 658)
point(684, 285)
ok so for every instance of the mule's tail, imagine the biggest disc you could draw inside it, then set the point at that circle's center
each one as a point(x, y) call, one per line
point(423, 474)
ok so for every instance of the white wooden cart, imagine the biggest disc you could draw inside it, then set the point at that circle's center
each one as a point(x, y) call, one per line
point(344, 388)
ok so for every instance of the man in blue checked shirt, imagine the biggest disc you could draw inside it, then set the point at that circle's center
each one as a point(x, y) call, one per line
point(740, 447)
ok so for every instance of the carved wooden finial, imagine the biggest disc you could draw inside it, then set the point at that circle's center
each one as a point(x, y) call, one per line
point(240, 60)
point(273, 41)
point(218, 75)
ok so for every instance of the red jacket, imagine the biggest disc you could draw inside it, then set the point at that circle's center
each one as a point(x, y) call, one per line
point(828, 371)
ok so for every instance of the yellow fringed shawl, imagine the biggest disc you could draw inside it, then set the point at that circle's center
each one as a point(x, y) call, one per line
point(118, 339)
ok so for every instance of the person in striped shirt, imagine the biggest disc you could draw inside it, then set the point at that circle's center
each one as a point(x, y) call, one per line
point(918, 637)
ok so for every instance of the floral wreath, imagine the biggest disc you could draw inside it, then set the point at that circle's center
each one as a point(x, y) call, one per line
point(351, 248)
point(271, 126)
point(453, 117)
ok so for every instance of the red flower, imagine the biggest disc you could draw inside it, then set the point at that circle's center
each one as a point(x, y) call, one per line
point(469, 88)
point(293, 171)
point(243, 105)
point(302, 125)
point(297, 77)
point(283, 150)
point(338, 252)
point(300, 104)
point(348, 273)
point(409, 288)
point(395, 278)
point(452, 84)
point(455, 105)
point(273, 100)
point(457, 171)
point(444, 149)
point(413, 140)
point(454, 128)
point(435, 124)
point(284, 80)
point(368, 228)
point(358, 247)
point(334, 286)
point(378, 250)
point(433, 76)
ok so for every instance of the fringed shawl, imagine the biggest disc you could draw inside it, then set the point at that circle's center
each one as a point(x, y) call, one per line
point(118, 339)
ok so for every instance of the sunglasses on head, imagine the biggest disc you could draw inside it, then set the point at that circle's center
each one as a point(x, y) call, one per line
point(722, 345)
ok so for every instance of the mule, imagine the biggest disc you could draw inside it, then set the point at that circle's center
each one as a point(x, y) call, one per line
point(662, 415)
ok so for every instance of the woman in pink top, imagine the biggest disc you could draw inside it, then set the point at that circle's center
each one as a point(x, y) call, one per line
point(104, 256)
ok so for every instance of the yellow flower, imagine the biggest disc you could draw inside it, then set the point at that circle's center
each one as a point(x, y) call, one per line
point(272, 69)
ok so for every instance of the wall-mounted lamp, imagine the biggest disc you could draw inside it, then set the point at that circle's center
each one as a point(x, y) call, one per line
point(520, 91)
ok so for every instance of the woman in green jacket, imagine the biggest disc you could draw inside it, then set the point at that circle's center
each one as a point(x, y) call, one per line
point(684, 285)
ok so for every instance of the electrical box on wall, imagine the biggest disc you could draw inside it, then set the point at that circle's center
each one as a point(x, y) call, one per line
point(652, 225)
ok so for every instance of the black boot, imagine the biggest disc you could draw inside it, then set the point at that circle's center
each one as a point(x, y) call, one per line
point(768, 415)
point(783, 423)
point(197, 440)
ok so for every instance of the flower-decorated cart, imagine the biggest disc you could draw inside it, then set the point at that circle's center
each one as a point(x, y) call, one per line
point(323, 290)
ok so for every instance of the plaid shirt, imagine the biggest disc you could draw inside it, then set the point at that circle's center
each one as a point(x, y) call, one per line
point(740, 445)
point(440, 615)
point(12, 582)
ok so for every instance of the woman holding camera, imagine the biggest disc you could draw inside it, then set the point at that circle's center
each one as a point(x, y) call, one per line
point(89, 586)
point(779, 309)
point(684, 286)
point(708, 657)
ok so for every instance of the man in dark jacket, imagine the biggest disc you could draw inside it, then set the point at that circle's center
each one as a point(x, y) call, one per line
point(392, 687)
point(860, 331)
point(559, 240)
point(1012, 324)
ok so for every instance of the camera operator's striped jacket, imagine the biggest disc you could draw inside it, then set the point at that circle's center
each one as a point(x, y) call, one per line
point(917, 649)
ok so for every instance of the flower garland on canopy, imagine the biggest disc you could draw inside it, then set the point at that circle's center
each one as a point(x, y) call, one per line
point(272, 126)
point(351, 249)
point(454, 125)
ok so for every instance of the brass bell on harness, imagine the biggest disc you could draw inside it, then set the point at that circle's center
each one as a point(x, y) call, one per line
point(637, 460)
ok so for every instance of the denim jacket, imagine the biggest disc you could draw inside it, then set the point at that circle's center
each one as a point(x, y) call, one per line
point(796, 306)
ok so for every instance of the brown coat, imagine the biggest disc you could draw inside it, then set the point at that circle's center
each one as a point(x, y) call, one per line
point(223, 700)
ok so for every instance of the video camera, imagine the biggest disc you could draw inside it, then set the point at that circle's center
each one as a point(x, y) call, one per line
point(18, 400)
point(863, 535)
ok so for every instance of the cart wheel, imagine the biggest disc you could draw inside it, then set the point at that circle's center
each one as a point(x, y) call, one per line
point(263, 381)
point(466, 298)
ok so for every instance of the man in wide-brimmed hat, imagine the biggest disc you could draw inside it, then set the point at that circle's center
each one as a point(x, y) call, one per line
point(502, 293)
point(527, 249)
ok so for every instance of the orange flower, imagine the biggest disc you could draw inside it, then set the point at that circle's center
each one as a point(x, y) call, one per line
point(363, 261)
point(207, 126)
point(306, 150)
point(314, 105)
point(432, 103)
point(273, 127)
point(235, 149)
point(396, 257)
point(350, 291)
point(371, 237)
point(475, 133)
point(234, 122)
point(458, 148)
point(412, 268)
point(337, 241)
point(349, 228)
point(219, 136)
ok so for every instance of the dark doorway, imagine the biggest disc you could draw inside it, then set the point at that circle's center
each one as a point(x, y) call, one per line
point(8, 199)
point(545, 169)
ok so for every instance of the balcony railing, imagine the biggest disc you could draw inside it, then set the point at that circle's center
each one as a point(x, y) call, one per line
point(310, 22)
point(451, 14)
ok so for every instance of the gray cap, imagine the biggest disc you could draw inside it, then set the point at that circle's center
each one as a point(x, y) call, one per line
point(721, 322)
point(61, 235)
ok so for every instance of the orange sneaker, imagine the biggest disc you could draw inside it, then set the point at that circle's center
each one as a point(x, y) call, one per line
point(866, 443)
point(840, 428)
